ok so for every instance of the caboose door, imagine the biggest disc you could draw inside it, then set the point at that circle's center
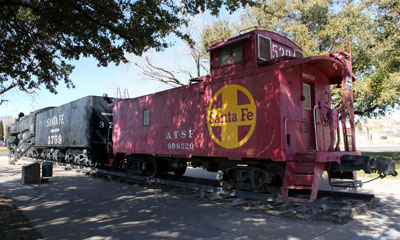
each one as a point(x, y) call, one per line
point(308, 116)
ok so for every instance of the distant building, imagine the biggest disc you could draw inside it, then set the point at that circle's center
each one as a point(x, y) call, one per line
point(380, 128)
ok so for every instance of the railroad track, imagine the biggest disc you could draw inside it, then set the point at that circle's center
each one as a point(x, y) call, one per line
point(338, 207)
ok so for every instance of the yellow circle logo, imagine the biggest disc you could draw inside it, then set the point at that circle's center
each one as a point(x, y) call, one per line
point(231, 116)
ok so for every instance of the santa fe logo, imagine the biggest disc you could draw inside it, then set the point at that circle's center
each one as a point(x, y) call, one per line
point(231, 116)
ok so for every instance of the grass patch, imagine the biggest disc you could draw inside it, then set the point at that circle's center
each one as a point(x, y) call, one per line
point(13, 224)
point(394, 155)
point(3, 149)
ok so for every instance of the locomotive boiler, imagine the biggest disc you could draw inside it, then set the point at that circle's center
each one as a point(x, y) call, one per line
point(21, 140)
point(262, 119)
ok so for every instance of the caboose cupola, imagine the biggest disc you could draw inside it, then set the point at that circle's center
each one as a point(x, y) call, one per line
point(246, 51)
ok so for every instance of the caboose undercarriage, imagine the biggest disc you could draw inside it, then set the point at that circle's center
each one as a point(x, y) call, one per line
point(266, 175)
point(248, 174)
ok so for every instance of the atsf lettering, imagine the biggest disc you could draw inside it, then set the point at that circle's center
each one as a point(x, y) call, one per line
point(183, 134)
point(180, 139)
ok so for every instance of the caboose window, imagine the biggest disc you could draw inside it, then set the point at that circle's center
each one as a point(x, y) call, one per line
point(231, 54)
point(264, 47)
point(146, 117)
point(237, 53)
point(298, 54)
point(225, 55)
point(307, 96)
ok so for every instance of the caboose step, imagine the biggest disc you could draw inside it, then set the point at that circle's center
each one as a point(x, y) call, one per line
point(346, 184)
point(306, 157)
point(299, 179)
point(299, 187)
point(294, 167)
point(297, 199)
point(302, 179)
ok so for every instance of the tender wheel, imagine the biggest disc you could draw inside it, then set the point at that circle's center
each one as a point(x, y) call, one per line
point(11, 157)
point(278, 173)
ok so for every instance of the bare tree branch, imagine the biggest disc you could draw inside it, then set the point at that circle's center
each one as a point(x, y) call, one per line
point(154, 72)
point(159, 74)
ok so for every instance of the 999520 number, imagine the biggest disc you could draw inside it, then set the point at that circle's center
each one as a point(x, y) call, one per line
point(183, 146)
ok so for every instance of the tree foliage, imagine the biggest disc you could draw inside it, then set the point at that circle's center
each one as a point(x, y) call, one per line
point(372, 26)
point(216, 32)
point(39, 38)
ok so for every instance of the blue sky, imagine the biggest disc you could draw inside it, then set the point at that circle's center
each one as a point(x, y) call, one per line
point(89, 80)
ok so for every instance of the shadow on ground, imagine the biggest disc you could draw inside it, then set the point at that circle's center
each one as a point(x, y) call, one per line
point(75, 206)
point(79, 207)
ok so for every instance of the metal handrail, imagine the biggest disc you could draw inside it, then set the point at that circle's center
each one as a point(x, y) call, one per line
point(285, 123)
point(315, 125)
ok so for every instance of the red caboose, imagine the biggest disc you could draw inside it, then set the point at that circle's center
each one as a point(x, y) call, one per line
point(262, 119)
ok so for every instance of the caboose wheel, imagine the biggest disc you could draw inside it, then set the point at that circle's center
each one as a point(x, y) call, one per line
point(228, 172)
point(278, 173)
point(179, 172)
point(179, 168)
point(152, 168)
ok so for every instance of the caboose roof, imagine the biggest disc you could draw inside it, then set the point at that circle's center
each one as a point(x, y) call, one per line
point(274, 36)
point(332, 68)
point(230, 41)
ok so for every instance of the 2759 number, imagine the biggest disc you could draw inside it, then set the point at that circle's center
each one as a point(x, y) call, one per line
point(55, 139)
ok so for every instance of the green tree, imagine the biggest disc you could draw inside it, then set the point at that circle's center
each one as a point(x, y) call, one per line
point(214, 33)
point(39, 38)
point(380, 81)
point(372, 26)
